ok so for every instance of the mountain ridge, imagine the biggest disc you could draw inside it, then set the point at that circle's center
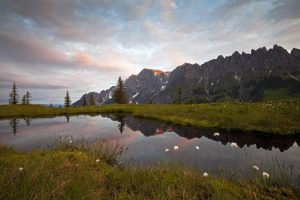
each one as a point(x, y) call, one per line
point(260, 75)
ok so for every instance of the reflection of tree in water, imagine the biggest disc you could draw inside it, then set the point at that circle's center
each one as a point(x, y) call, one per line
point(68, 118)
point(28, 121)
point(120, 117)
point(14, 125)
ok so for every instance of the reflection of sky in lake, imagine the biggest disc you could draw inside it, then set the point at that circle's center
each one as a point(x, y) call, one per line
point(147, 141)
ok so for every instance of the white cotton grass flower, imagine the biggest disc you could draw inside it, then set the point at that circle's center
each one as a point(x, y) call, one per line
point(265, 175)
point(176, 148)
point(166, 150)
point(98, 160)
point(216, 134)
point(70, 141)
point(197, 147)
point(255, 167)
point(20, 169)
point(233, 145)
point(205, 174)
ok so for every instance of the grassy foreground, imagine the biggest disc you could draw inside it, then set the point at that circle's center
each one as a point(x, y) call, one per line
point(279, 117)
point(75, 173)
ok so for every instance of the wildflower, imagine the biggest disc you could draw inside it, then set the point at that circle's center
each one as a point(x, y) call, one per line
point(197, 147)
point(216, 134)
point(98, 160)
point(205, 174)
point(176, 148)
point(21, 169)
point(77, 165)
point(166, 150)
point(265, 175)
point(70, 141)
point(255, 168)
point(233, 145)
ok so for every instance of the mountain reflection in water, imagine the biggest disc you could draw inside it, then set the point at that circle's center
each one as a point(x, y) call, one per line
point(155, 127)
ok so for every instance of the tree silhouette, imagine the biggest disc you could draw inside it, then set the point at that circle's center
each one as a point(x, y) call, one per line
point(67, 100)
point(120, 96)
point(24, 100)
point(13, 95)
point(28, 97)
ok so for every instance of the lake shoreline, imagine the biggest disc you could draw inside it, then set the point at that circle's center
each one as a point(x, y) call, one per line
point(280, 117)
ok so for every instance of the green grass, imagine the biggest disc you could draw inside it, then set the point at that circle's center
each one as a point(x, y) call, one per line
point(277, 117)
point(70, 172)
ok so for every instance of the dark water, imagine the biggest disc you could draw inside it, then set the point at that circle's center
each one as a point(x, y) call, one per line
point(147, 141)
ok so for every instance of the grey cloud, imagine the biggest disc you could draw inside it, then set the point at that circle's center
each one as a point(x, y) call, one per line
point(287, 9)
point(84, 21)
point(27, 50)
point(8, 84)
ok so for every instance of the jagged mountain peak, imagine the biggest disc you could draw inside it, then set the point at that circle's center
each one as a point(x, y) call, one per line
point(155, 72)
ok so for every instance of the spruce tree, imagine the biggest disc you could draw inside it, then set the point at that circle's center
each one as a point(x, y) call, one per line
point(13, 95)
point(24, 100)
point(179, 95)
point(67, 100)
point(84, 101)
point(120, 96)
point(28, 96)
point(92, 100)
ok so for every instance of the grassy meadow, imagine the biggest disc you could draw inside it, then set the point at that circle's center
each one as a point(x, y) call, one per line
point(70, 172)
point(277, 117)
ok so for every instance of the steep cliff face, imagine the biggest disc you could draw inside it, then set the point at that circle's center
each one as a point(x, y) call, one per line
point(262, 74)
point(143, 87)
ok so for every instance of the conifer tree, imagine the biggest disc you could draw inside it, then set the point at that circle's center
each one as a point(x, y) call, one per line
point(84, 101)
point(120, 96)
point(13, 95)
point(67, 100)
point(179, 95)
point(92, 100)
point(24, 100)
point(28, 96)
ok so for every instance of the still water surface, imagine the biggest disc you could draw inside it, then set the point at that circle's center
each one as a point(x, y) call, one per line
point(147, 141)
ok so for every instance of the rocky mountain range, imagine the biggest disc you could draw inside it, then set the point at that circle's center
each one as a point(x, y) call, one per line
point(260, 75)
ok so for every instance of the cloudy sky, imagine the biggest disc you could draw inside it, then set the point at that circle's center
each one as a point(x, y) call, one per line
point(50, 46)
